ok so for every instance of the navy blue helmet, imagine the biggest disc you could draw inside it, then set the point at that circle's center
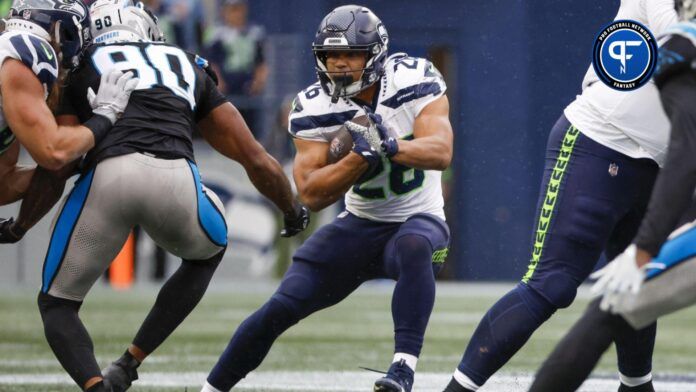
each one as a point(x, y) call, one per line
point(63, 22)
point(353, 28)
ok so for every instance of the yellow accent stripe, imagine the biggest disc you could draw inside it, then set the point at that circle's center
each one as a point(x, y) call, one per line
point(439, 256)
point(547, 208)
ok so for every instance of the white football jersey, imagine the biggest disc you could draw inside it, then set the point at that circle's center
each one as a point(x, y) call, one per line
point(630, 122)
point(36, 54)
point(395, 192)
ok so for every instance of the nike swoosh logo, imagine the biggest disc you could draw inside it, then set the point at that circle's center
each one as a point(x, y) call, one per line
point(48, 52)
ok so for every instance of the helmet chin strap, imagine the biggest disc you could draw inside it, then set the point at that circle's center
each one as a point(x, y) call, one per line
point(340, 82)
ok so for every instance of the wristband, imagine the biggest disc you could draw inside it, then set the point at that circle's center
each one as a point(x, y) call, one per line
point(100, 126)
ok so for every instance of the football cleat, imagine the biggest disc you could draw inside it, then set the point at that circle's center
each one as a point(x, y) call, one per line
point(399, 378)
point(121, 374)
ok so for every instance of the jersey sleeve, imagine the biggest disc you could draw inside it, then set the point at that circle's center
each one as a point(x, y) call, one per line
point(660, 15)
point(33, 52)
point(417, 83)
point(210, 97)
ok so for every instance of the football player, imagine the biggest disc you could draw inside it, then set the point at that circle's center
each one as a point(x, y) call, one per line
point(576, 355)
point(393, 226)
point(602, 158)
point(42, 40)
point(143, 173)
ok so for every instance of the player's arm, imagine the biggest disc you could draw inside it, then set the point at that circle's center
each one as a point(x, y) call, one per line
point(53, 146)
point(431, 147)
point(14, 178)
point(225, 130)
point(320, 184)
point(675, 184)
point(661, 14)
point(42, 193)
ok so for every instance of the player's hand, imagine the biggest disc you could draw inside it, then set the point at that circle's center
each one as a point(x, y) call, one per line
point(389, 145)
point(295, 222)
point(362, 146)
point(114, 92)
point(620, 276)
point(10, 232)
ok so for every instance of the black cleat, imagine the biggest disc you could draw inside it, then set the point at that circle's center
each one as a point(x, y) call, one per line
point(399, 378)
point(121, 374)
point(454, 386)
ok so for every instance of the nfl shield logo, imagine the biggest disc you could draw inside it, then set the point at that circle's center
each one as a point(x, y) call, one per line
point(613, 169)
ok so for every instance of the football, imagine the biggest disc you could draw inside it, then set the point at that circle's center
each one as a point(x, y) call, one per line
point(342, 142)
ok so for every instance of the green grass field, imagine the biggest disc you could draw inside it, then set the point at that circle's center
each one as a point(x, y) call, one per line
point(327, 347)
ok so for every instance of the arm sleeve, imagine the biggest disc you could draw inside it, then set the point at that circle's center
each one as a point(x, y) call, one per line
point(661, 14)
point(675, 184)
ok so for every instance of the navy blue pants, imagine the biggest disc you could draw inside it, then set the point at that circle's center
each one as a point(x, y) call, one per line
point(329, 266)
point(592, 200)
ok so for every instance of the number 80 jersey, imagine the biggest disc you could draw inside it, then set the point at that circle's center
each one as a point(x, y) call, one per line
point(395, 192)
point(173, 94)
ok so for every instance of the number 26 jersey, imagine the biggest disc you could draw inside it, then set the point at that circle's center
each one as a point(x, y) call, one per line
point(173, 94)
point(394, 192)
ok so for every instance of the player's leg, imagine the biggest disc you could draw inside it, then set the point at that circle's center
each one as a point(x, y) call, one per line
point(412, 257)
point(87, 235)
point(634, 348)
point(190, 223)
point(331, 264)
point(576, 213)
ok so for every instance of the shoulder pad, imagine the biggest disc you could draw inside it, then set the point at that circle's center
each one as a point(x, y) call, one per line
point(34, 52)
point(412, 78)
point(313, 114)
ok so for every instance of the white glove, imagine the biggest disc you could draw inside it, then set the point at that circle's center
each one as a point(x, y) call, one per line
point(620, 276)
point(115, 89)
point(369, 133)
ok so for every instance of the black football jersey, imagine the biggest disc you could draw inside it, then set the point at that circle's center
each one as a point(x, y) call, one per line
point(678, 54)
point(173, 94)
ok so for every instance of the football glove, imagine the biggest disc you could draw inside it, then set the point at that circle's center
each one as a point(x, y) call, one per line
point(620, 276)
point(364, 141)
point(114, 92)
point(10, 232)
point(389, 145)
point(296, 222)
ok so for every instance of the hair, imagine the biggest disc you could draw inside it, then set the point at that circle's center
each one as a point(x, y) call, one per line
point(54, 95)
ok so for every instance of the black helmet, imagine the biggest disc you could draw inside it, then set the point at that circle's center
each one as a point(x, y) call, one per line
point(39, 16)
point(686, 9)
point(354, 28)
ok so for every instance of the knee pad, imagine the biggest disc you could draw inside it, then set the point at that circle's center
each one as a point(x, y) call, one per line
point(406, 252)
point(558, 288)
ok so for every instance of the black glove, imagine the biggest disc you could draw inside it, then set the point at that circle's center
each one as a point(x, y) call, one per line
point(10, 232)
point(296, 222)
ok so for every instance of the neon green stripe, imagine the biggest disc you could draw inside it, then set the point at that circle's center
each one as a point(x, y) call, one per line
point(547, 208)
point(439, 256)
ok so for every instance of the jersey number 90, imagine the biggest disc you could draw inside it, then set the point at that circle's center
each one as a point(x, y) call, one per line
point(155, 65)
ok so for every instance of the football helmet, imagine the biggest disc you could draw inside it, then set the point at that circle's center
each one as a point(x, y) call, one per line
point(123, 21)
point(686, 9)
point(39, 17)
point(350, 28)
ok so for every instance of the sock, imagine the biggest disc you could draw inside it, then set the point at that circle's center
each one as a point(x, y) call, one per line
point(414, 293)
point(411, 360)
point(634, 381)
point(634, 349)
point(209, 388)
point(505, 328)
point(176, 299)
point(68, 338)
